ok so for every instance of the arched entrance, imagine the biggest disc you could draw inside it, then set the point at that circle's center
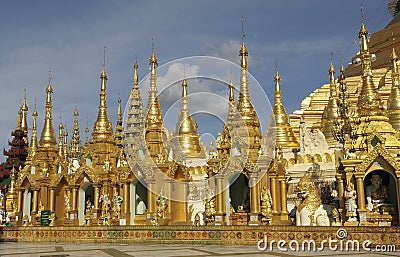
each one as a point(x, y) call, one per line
point(381, 192)
point(138, 199)
point(239, 191)
point(27, 203)
point(60, 201)
point(86, 192)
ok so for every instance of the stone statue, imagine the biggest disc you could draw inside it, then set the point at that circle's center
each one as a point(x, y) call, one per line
point(161, 206)
point(377, 194)
point(351, 195)
point(1, 198)
point(67, 205)
point(105, 204)
point(197, 219)
point(310, 212)
point(266, 205)
point(88, 207)
point(117, 201)
point(210, 210)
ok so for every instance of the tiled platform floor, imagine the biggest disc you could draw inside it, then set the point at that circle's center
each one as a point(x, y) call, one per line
point(157, 250)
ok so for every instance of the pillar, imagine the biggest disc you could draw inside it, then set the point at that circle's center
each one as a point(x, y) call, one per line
point(341, 192)
point(168, 194)
point(127, 211)
point(274, 196)
point(360, 192)
point(74, 199)
point(96, 198)
point(19, 206)
point(284, 212)
point(220, 200)
point(254, 199)
point(151, 197)
point(35, 202)
point(51, 204)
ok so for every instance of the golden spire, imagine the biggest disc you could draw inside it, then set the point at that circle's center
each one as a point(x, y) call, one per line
point(231, 91)
point(153, 78)
point(118, 126)
point(135, 75)
point(225, 144)
point(154, 121)
point(284, 135)
point(87, 130)
point(48, 136)
point(394, 97)
point(19, 120)
point(34, 143)
point(331, 111)
point(332, 71)
point(369, 102)
point(75, 145)
point(60, 140)
point(102, 129)
point(24, 110)
point(186, 129)
point(246, 108)
point(134, 120)
point(65, 145)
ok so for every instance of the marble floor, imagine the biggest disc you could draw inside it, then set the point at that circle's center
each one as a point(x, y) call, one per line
point(158, 250)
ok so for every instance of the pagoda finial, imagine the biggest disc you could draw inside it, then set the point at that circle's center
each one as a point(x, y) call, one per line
point(243, 53)
point(231, 90)
point(19, 120)
point(153, 58)
point(87, 130)
point(60, 139)
point(65, 145)
point(332, 72)
point(24, 113)
point(135, 75)
point(118, 126)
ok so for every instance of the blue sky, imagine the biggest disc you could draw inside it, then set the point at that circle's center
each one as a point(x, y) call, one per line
point(67, 37)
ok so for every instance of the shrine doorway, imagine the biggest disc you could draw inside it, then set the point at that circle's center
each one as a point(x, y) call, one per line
point(60, 201)
point(239, 191)
point(27, 204)
point(86, 192)
point(138, 199)
point(390, 185)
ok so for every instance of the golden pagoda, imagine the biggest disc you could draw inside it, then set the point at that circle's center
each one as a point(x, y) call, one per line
point(186, 141)
point(393, 103)
point(331, 112)
point(251, 129)
point(154, 135)
point(279, 126)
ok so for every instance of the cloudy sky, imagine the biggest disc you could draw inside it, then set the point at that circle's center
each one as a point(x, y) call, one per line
point(67, 37)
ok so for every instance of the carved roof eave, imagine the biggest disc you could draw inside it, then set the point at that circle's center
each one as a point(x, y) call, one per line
point(57, 179)
point(82, 171)
point(24, 177)
point(378, 150)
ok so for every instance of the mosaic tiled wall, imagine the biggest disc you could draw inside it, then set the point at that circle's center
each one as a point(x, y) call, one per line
point(224, 235)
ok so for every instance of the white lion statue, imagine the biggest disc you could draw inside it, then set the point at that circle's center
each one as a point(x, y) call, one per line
point(310, 212)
